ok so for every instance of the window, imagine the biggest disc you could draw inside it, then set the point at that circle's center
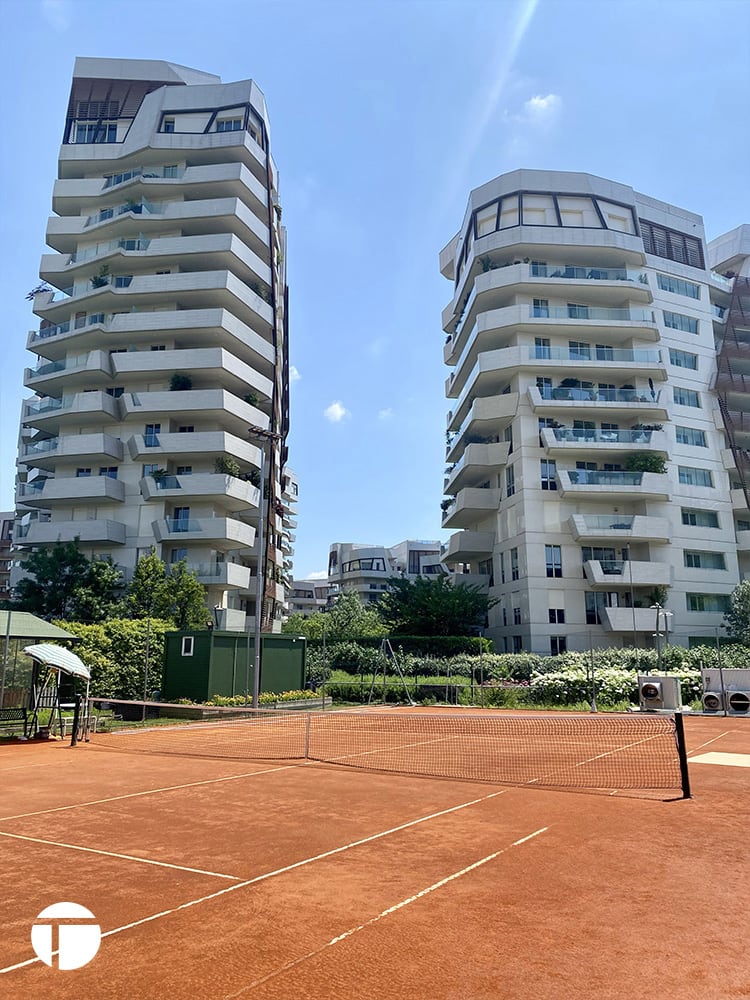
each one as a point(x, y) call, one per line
point(689, 435)
point(678, 321)
point(177, 555)
point(187, 645)
point(544, 385)
point(576, 311)
point(82, 473)
point(542, 348)
point(510, 481)
point(168, 125)
point(158, 347)
point(548, 474)
point(96, 132)
point(517, 643)
point(516, 616)
point(704, 560)
point(115, 391)
point(508, 436)
point(229, 125)
point(110, 471)
point(181, 519)
point(557, 645)
point(700, 518)
point(556, 616)
point(671, 244)
point(540, 307)
point(502, 567)
point(686, 397)
point(187, 429)
point(553, 560)
point(690, 476)
point(538, 269)
point(578, 351)
point(514, 573)
point(151, 435)
point(714, 603)
point(681, 359)
point(678, 286)
point(742, 525)
point(184, 470)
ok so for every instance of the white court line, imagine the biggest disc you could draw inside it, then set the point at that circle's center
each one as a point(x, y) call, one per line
point(153, 791)
point(696, 749)
point(278, 871)
point(726, 759)
point(112, 854)
point(384, 913)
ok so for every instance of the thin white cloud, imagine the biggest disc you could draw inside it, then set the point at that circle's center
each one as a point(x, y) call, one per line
point(336, 412)
point(57, 13)
point(376, 348)
point(320, 574)
point(294, 375)
point(539, 111)
point(385, 414)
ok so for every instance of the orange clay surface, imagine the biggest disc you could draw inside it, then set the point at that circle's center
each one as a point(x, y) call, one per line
point(286, 880)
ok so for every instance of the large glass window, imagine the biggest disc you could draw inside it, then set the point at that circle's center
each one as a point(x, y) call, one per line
point(678, 321)
point(690, 476)
point(553, 560)
point(510, 481)
point(686, 397)
point(548, 474)
point(514, 571)
point(682, 359)
point(700, 518)
point(692, 436)
point(704, 560)
point(714, 603)
point(678, 286)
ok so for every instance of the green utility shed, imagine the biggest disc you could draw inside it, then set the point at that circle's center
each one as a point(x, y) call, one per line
point(201, 664)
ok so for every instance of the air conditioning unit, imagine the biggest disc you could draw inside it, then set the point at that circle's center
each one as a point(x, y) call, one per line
point(659, 693)
point(712, 701)
point(738, 702)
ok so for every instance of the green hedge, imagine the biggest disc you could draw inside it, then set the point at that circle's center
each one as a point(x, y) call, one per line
point(426, 645)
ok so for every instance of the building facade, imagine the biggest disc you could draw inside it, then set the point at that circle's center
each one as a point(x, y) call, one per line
point(366, 569)
point(6, 540)
point(308, 597)
point(162, 346)
point(591, 477)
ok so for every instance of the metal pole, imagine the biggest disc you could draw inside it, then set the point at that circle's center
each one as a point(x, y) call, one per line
point(721, 674)
point(145, 671)
point(632, 597)
point(593, 682)
point(658, 639)
point(5, 655)
point(260, 580)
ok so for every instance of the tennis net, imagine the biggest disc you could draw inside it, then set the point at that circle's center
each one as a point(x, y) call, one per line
point(594, 752)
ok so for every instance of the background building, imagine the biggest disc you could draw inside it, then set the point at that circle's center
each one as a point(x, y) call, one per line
point(590, 474)
point(6, 538)
point(163, 335)
point(308, 596)
point(366, 569)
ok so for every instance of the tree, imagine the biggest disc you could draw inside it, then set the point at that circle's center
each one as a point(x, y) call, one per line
point(434, 607)
point(115, 653)
point(186, 598)
point(176, 596)
point(347, 619)
point(737, 619)
point(63, 581)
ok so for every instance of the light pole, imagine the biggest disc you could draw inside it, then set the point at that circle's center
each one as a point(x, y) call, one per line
point(661, 615)
point(260, 580)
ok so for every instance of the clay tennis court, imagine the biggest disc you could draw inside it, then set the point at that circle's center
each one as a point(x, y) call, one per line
point(295, 879)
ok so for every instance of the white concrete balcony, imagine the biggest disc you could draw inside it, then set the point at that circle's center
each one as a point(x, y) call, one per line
point(223, 575)
point(491, 369)
point(637, 404)
point(739, 502)
point(617, 528)
point(743, 541)
point(622, 619)
point(227, 492)
point(81, 407)
point(223, 533)
point(481, 581)
point(586, 323)
point(72, 372)
point(218, 405)
point(198, 445)
point(192, 327)
point(624, 573)
point(468, 546)
point(213, 365)
point(577, 440)
point(48, 453)
point(72, 490)
point(49, 532)
point(477, 463)
point(613, 486)
point(483, 419)
point(190, 289)
point(471, 505)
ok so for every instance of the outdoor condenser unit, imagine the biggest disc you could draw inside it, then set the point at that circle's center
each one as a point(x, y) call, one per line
point(737, 691)
point(659, 693)
point(713, 691)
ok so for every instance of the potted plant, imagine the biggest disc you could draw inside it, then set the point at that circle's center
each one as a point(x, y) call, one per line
point(102, 278)
point(180, 382)
point(227, 466)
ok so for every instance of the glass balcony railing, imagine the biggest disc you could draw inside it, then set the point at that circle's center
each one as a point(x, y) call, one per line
point(592, 313)
point(597, 436)
point(93, 319)
point(52, 330)
point(142, 207)
point(31, 489)
point(542, 353)
point(50, 368)
point(176, 525)
point(167, 483)
point(608, 522)
point(41, 447)
point(90, 253)
point(562, 392)
point(44, 406)
point(595, 477)
point(159, 172)
point(612, 567)
point(588, 273)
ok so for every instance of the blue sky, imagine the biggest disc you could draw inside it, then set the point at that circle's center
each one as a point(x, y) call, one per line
point(384, 116)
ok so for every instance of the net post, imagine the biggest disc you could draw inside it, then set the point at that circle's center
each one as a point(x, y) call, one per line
point(76, 720)
point(679, 729)
point(307, 736)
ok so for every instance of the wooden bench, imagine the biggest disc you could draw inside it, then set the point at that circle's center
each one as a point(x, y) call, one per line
point(11, 716)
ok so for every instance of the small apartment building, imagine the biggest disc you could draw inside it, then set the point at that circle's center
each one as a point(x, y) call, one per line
point(592, 474)
point(6, 542)
point(162, 343)
point(308, 596)
point(366, 569)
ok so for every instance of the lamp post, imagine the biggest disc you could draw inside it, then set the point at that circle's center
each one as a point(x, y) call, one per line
point(661, 615)
point(263, 435)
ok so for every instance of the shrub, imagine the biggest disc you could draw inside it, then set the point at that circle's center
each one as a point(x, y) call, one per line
point(179, 382)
